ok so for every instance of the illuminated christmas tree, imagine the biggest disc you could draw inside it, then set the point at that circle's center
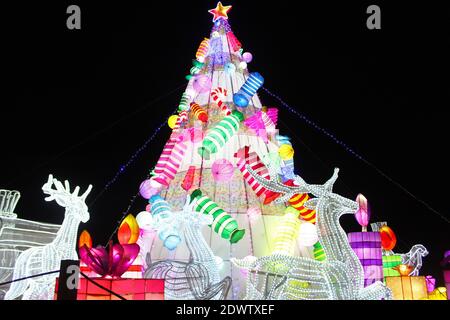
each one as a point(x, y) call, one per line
point(220, 128)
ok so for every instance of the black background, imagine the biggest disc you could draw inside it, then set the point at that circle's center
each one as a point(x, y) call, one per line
point(78, 103)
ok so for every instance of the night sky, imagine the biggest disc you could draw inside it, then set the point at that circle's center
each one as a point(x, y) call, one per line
point(78, 104)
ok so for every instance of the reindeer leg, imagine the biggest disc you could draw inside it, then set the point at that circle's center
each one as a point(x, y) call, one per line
point(18, 288)
point(375, 291)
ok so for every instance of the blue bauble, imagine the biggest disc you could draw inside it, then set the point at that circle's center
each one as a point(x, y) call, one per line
point(172, 242)
point(240, 100)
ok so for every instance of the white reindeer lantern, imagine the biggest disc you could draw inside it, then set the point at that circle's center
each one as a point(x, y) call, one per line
point(48, 258)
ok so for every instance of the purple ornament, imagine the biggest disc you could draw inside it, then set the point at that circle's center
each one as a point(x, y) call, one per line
point(247, 57)
point(146, 190)
point(362, 215)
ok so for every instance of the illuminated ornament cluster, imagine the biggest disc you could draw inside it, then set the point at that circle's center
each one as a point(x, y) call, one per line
point(341, 262)
point(198, 279)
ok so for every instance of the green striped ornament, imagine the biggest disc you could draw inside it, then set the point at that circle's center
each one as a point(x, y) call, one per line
point(220, 134)
point(223, 224)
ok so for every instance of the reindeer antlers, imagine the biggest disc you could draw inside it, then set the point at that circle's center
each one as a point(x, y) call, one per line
point(62, 190)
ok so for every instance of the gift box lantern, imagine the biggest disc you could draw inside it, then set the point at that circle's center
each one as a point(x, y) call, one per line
point(407, 287)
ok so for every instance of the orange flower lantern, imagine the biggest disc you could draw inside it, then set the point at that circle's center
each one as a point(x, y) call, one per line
point(128, 231)
point(388, 238)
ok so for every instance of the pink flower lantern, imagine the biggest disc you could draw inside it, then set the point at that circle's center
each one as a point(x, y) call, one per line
point(201, 83)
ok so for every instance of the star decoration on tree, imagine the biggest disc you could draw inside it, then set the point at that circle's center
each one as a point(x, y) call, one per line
point(220, 11)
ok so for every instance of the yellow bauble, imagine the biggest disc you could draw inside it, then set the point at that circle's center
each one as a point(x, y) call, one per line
point(286, 152)
point(172, 121)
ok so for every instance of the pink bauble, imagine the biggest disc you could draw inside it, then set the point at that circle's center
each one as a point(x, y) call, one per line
point(222, 170)
point(247, 57)
point(201, 83)
point(148, 208)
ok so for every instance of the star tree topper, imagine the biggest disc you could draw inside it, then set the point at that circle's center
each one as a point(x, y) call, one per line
point(220, 11)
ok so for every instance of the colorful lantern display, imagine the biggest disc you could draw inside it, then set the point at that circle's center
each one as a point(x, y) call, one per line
point(390, 263)
point(248, 90)
point(298, 202)
point(220, 134)
point(319, 254)
point(367, 246)
point(201, 83)
point(113, 261)
point(286, 152)
point(223, 224)
point(199, 112)
point(85, 239)
point(218, 95)
point(286, 232)
point(128, 232)
point(130, 289)
point(407, 288)
point(202, 50)
point(184, 102)
point(388, 238)
point(245, 157)
point(188, 180)
point(169, 162)
point(222, 170)
point(362, 215)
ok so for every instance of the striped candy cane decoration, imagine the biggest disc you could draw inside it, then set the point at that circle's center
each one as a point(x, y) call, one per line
point(199, 112)
point(223, 224)
point(298, 202)
point(182, 117)
point(220, 134)
point(202, 50)
point(233, 41)
point(268, 123)
point(218, 95)
point(252, 159)
point(170, 160)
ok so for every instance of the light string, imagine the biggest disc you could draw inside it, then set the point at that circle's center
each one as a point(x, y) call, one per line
point(351, 151)
point(122, 170)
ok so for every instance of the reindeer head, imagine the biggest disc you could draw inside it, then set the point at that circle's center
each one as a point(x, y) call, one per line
point(65, 199)
point(323, 193)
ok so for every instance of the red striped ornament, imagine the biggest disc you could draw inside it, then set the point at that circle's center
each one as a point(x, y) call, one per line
point(182, 117)
point(218, 95)
point(298, 202)
point(202, 50)
point(253, 160)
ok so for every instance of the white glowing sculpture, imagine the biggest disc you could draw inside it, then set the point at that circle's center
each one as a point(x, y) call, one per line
point(340, 277)
point(414, 258)
point(198, 279)
point(48, 258)
point(18, 235)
